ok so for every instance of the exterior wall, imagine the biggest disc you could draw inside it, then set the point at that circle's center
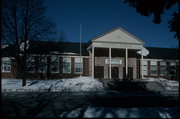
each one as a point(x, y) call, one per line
point(13, 73)
point(177, 70)
point(148, 69)
point(132, 63)
point(86, 67)
point(100, 61)
point(138, 69)
point(48, 74)
point(158, 69)
point(90, 64)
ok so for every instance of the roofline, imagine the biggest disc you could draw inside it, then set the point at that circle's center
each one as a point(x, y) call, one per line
point(59, 42)
point(160, 59)
point(161, 47)
point(114, 30)
point(89, 47)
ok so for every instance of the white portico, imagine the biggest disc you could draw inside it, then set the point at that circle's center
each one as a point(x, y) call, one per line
point(117, 38)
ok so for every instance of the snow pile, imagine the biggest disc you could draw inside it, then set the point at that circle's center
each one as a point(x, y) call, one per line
point(12, 84)
point(4, 46)
point(72, 114)
point(149, 79)
point(107, 112)
point(79, 84)
point(169, 84)
point(41, 85)
point(70, 53)
point(173, 83)
point(73, 84)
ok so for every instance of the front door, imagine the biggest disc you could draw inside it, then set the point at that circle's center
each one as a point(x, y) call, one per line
point(114, 72)
point(99, 72)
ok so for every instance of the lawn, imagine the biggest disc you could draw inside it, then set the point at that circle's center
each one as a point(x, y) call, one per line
point(88, 98)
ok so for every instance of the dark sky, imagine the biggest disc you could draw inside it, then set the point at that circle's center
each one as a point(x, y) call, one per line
point(99, 16)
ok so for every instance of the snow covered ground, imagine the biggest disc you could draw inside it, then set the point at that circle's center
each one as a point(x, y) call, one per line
point(72, 84)
point(135, 112)
point(149, 79)
point(168, 84)
point(86, 111)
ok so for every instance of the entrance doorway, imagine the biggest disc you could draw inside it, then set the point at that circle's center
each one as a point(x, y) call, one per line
point(99, 72)
point(114, 72)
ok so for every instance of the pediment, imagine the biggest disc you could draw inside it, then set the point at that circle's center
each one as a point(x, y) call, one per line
point(118, 35)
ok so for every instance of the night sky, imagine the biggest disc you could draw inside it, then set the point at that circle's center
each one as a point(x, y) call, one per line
point(100, 16)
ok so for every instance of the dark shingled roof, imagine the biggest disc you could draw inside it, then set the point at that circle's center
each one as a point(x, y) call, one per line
point(162, 53)
point(8, 51)
point(41, 47)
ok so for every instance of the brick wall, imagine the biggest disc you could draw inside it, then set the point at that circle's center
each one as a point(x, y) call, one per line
point(13, 73)
point(158, 71)
point(86, 67)
point(37, 75)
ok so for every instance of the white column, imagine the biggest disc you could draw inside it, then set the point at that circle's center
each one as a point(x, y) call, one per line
point(142, 76)
point(110, 63)
point(126, 62)
point(92, 61)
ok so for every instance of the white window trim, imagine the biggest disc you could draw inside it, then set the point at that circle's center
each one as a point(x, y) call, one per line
point(160, 71)
point(145, 70)
point(63, 66)
point(172, 64)
point(175, 66)
point(58, 65)
point(145, 64)
point(39, 71)
point(163, 63)
point(75, 67)
point(156, 70)
point(34, 67)
point(2, 66)
point(153, 63)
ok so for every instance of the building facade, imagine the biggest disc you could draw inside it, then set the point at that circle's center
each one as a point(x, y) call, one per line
point(110, 55)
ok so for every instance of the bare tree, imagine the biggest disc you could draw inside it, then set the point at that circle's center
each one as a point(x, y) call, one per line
point(47, 57)
point(22, 21)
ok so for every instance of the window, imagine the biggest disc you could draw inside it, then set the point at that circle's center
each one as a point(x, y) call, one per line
point(145, 68)
point(30, 64)
point(153, 68)
point(6, 65)
point(172, 68)
point(66, 65)
point(163, 71)
point(54, 66)
point(42, 65)
point(78, 68)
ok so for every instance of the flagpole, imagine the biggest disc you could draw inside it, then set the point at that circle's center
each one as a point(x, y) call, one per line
point(80, 46)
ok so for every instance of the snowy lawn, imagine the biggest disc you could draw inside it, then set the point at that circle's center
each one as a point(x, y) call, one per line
point(149, 79)
point(135, 112)
point(168, 84)
point(71, 84)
